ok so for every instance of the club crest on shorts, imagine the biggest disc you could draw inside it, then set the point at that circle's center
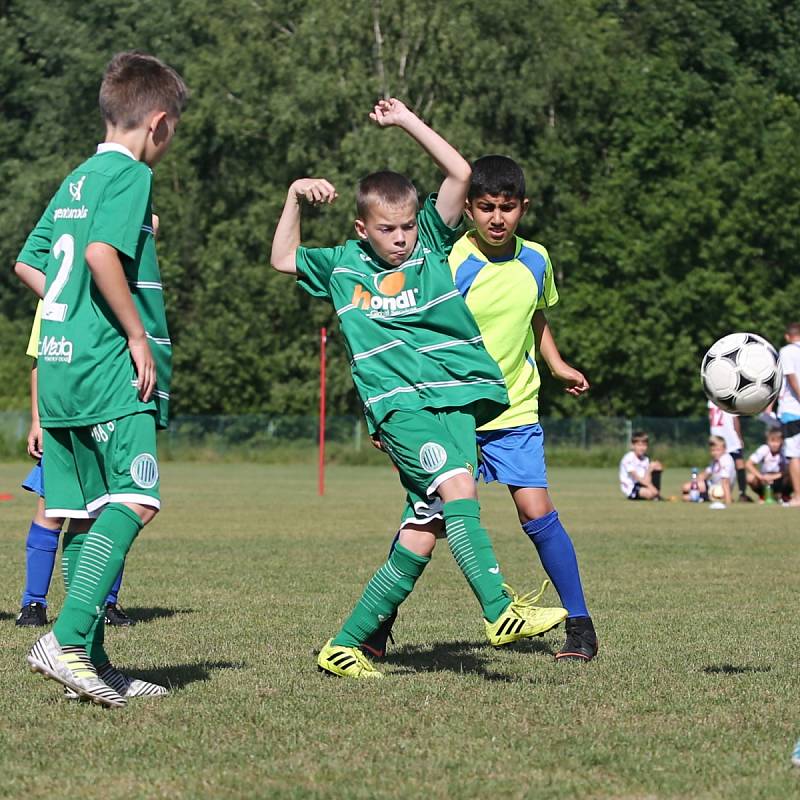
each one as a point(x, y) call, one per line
point(432, 456)
point(144, 471)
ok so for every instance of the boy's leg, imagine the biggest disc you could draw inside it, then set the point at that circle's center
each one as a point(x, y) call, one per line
point(515, 457)
point(41, 546)
point(436, 454)
point(116, 466)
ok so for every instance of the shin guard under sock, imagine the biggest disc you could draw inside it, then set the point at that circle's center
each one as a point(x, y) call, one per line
point(99, 560)
point(41, 547)
point(558, 558)
point(472, 550)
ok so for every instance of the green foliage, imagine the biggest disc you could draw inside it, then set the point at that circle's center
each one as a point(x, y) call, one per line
point(659, 142)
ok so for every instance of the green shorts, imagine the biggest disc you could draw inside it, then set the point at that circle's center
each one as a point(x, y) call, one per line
point(89, 467)
point(428, 447)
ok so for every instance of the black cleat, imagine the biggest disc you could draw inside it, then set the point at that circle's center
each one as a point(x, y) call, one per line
point(33, 615)
point(375, 645)
point(117, 617)
point(745, 498)
point(581, 643)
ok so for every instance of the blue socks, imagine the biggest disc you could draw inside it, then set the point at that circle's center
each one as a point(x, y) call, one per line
point(40, 558)
point(559, 561)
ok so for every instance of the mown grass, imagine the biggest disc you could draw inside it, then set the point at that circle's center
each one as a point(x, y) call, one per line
point(247, 571)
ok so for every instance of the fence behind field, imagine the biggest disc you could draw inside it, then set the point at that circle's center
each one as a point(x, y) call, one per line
point(597, 441)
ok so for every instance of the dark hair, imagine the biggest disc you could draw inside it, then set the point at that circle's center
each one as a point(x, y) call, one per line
point(388, 188)
point(639, 436)
point(136, 84)
point(497, 175)
point(793, 329)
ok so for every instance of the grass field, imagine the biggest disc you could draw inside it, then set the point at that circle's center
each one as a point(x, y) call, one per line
point(247, 571)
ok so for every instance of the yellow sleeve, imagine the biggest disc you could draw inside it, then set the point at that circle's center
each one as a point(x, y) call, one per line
point(33, 342)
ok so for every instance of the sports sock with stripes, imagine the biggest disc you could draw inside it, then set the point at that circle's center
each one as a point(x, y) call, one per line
point(387, 589)
point(557, 554)
point(473, 552)
point(99, 560)
point(40, 558)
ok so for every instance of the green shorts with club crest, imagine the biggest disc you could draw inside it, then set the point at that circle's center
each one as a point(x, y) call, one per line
point(428, 447)
point(111, 462)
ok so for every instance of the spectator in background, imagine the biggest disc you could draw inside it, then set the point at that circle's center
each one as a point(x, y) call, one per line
point(729, 427)
point(639, 478)
point(789, 406)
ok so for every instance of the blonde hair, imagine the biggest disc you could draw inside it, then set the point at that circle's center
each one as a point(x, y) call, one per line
point(712, 440)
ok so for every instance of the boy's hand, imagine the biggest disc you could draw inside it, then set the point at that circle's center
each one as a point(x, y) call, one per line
point(35, 440)
point(315, 191)
point(574, 380)
point(390, 112)
point(145, 366)
point(155, 223)
point(376, 442)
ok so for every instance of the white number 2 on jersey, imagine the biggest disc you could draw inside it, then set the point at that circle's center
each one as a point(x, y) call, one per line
point(57, 312)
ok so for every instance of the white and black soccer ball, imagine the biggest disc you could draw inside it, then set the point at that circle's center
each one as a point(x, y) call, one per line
point(741, 373)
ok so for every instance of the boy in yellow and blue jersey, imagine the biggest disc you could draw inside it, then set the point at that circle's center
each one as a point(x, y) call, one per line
point(507, 283)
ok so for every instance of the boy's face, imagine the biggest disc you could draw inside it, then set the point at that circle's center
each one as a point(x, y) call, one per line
point(391, 230)
point(640, 447)
point(717, 450)
point(775, 442)
point(496, 217)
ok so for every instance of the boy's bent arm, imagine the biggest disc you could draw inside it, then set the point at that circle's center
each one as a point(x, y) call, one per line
point(33, 278)
point(287, 235)
point(575, 380)
point(457, 171)
point(106, 268)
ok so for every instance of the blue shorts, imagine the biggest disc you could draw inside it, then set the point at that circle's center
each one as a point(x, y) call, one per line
point(513, 456)
point(35, 480)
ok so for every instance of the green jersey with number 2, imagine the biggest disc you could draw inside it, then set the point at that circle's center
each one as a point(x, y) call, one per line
point(86, 374)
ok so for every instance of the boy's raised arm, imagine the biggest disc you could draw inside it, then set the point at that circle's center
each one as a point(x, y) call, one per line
point(457, 171)
point(287, 235)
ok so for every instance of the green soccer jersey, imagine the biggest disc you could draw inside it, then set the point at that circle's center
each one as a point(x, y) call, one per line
point(86, 374)
point(412, 341)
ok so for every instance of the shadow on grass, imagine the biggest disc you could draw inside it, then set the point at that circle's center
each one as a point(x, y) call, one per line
point(148, 614)
point(732, 669)
point(179, 675)
point(462, 657)
point(4, 615)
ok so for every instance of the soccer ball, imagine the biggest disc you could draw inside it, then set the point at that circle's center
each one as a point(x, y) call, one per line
point(741, 373)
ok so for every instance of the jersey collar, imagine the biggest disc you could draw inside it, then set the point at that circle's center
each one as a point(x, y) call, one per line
point(113, 147)
point(472, 234)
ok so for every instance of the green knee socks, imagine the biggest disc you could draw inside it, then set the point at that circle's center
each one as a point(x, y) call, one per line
point(389, 586)
point(91, 563)
point(472, 550)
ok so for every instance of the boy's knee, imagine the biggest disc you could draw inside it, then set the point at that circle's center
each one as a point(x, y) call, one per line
point(459, 487)
point(145, 513)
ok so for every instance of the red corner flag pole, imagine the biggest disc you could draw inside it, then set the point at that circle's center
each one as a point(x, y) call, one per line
point(323, 337)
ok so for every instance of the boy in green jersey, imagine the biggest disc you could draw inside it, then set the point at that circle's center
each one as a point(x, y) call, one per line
point(102, 389)
point(41, 543)
point(507, 283)
point(422, 374)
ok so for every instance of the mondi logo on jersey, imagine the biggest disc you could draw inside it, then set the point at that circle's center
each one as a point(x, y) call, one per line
point(391, 297)
point(52, 349)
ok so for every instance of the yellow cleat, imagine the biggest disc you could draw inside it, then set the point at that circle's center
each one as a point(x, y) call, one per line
point(346, 662)
point(523, 619)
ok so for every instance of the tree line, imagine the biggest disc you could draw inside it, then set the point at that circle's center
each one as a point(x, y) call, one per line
point(659, 140)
